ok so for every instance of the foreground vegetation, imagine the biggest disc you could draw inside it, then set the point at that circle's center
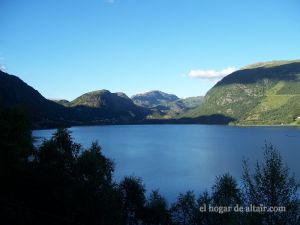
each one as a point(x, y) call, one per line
point(62, 183)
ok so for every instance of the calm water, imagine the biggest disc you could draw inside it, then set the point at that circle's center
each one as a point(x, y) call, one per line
point(177, 158)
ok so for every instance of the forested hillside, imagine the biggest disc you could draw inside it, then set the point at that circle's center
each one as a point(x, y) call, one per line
point(262, 93)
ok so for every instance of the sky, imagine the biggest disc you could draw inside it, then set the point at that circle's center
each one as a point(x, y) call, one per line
point(64, 48)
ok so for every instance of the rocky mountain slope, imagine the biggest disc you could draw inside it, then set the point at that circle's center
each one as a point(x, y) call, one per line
point(151, 99)
point(164, 105)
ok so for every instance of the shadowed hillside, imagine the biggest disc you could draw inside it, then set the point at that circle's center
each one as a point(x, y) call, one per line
point(100, 107)
point(16, 93)
point(263, 93)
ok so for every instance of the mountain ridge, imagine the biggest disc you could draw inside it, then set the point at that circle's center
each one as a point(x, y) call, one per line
point(46, 113)
point(164, 105)
point(258, 95)
point(265, 93)
point(153, 98)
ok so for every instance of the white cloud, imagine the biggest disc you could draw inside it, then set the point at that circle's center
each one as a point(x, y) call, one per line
point(211, 74)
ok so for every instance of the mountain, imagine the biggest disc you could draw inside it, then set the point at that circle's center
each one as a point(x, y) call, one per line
point(266, 93)
point(261, 93)
point(16, 93)
point(61, 102)
point(102, 99)
point(151, 99)
point(164, 105)
point(116, 106)
point(175, 109)
point(100, 107)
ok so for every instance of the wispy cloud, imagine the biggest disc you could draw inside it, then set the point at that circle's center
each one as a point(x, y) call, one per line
point(110, 1)
point(211, 74)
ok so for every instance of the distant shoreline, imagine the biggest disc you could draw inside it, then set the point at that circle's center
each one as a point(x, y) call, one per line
point(159, 122)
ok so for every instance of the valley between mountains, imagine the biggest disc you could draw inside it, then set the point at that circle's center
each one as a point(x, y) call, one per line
point(265, 93)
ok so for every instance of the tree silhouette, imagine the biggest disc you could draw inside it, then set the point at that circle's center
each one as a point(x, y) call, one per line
point(271, 185)
point(61, 183)
point(156, 210)
point(184, 211)
point(133, 199)
point(225, 193)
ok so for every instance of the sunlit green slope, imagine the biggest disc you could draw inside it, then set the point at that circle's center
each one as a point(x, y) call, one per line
point(263, 93)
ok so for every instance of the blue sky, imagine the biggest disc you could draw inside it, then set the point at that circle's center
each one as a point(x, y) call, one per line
point(64, 48)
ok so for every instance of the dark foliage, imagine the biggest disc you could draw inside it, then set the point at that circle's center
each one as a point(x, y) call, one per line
point(185, 210)
point(156, 210)
point(226, 193)
point(62, 183)
point(133, 199)
point(272, 185)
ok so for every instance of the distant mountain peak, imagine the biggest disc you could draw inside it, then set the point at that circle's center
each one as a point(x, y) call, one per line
point(153, 98)
point(96, 107)
point(122, 94)
point(152, 92)
point(101, 91)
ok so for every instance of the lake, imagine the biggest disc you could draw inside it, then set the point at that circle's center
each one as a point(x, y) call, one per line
point(177, 158)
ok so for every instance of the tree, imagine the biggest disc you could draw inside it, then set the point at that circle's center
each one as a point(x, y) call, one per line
point(59, 153)
point(272, 185)
point(98, 198)
point(156, 210)
point(54, 187)
point(204, 217)
point(93, 169)
point(15, 151)
point(15, 140)
point(75, 183)
point(225, 193)
point(184, 211)
point(133, 199)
